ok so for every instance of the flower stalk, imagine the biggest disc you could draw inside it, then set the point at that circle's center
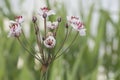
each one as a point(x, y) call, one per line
point(70, 45)
point(38, 39)
point(62, 44)
point(27, 49)
point(45, 26)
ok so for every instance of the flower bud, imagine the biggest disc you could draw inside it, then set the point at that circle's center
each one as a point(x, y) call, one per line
point(34, 19)
point(66, 25)
point(44, 15)
point(43, 38)
point(59, 19)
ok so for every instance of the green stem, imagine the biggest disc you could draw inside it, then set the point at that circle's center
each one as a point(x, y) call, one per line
point(68, 46)
point(28, 50)
point(29, 44)
point(62, 44)
point(43, 76)
point(39, 41)
point(56, 30)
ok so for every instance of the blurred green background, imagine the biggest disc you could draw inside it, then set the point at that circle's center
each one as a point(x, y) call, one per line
point(94, 57)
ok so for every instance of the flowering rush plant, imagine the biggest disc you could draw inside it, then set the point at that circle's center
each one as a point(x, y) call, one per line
point(47, 41)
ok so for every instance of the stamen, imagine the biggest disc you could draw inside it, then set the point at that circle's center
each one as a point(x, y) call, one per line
point(45, 9)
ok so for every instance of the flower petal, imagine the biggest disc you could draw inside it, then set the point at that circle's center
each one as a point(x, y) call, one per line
point(82, 32)
point(52, 25)
point(12, 22)
point(51, 12)
point(40, 12)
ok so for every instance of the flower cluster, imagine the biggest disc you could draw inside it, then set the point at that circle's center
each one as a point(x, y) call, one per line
point(47, 42)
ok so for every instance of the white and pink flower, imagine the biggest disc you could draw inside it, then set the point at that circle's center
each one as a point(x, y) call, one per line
point(19, 19)
point(15, 29)
point(50, 42)
point(76, 24)
point(72, 19)
point(52, 25)
point(46, 11)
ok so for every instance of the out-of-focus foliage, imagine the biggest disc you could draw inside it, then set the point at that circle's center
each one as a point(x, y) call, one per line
point(78, 63)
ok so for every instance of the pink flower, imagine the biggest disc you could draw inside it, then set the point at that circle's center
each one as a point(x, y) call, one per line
point(77, 25)
point(46, 11)
point(50, 42)
point(52, 25)
point(19, 19)
point(15, 29)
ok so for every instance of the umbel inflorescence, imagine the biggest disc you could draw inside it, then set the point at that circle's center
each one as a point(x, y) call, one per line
point(46, 42)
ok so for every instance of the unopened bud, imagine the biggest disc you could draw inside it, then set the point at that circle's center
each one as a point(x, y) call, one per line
point(34, 19)
point(43, 38)
point(44, 15)
point(66, 25)
point(59, 19)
